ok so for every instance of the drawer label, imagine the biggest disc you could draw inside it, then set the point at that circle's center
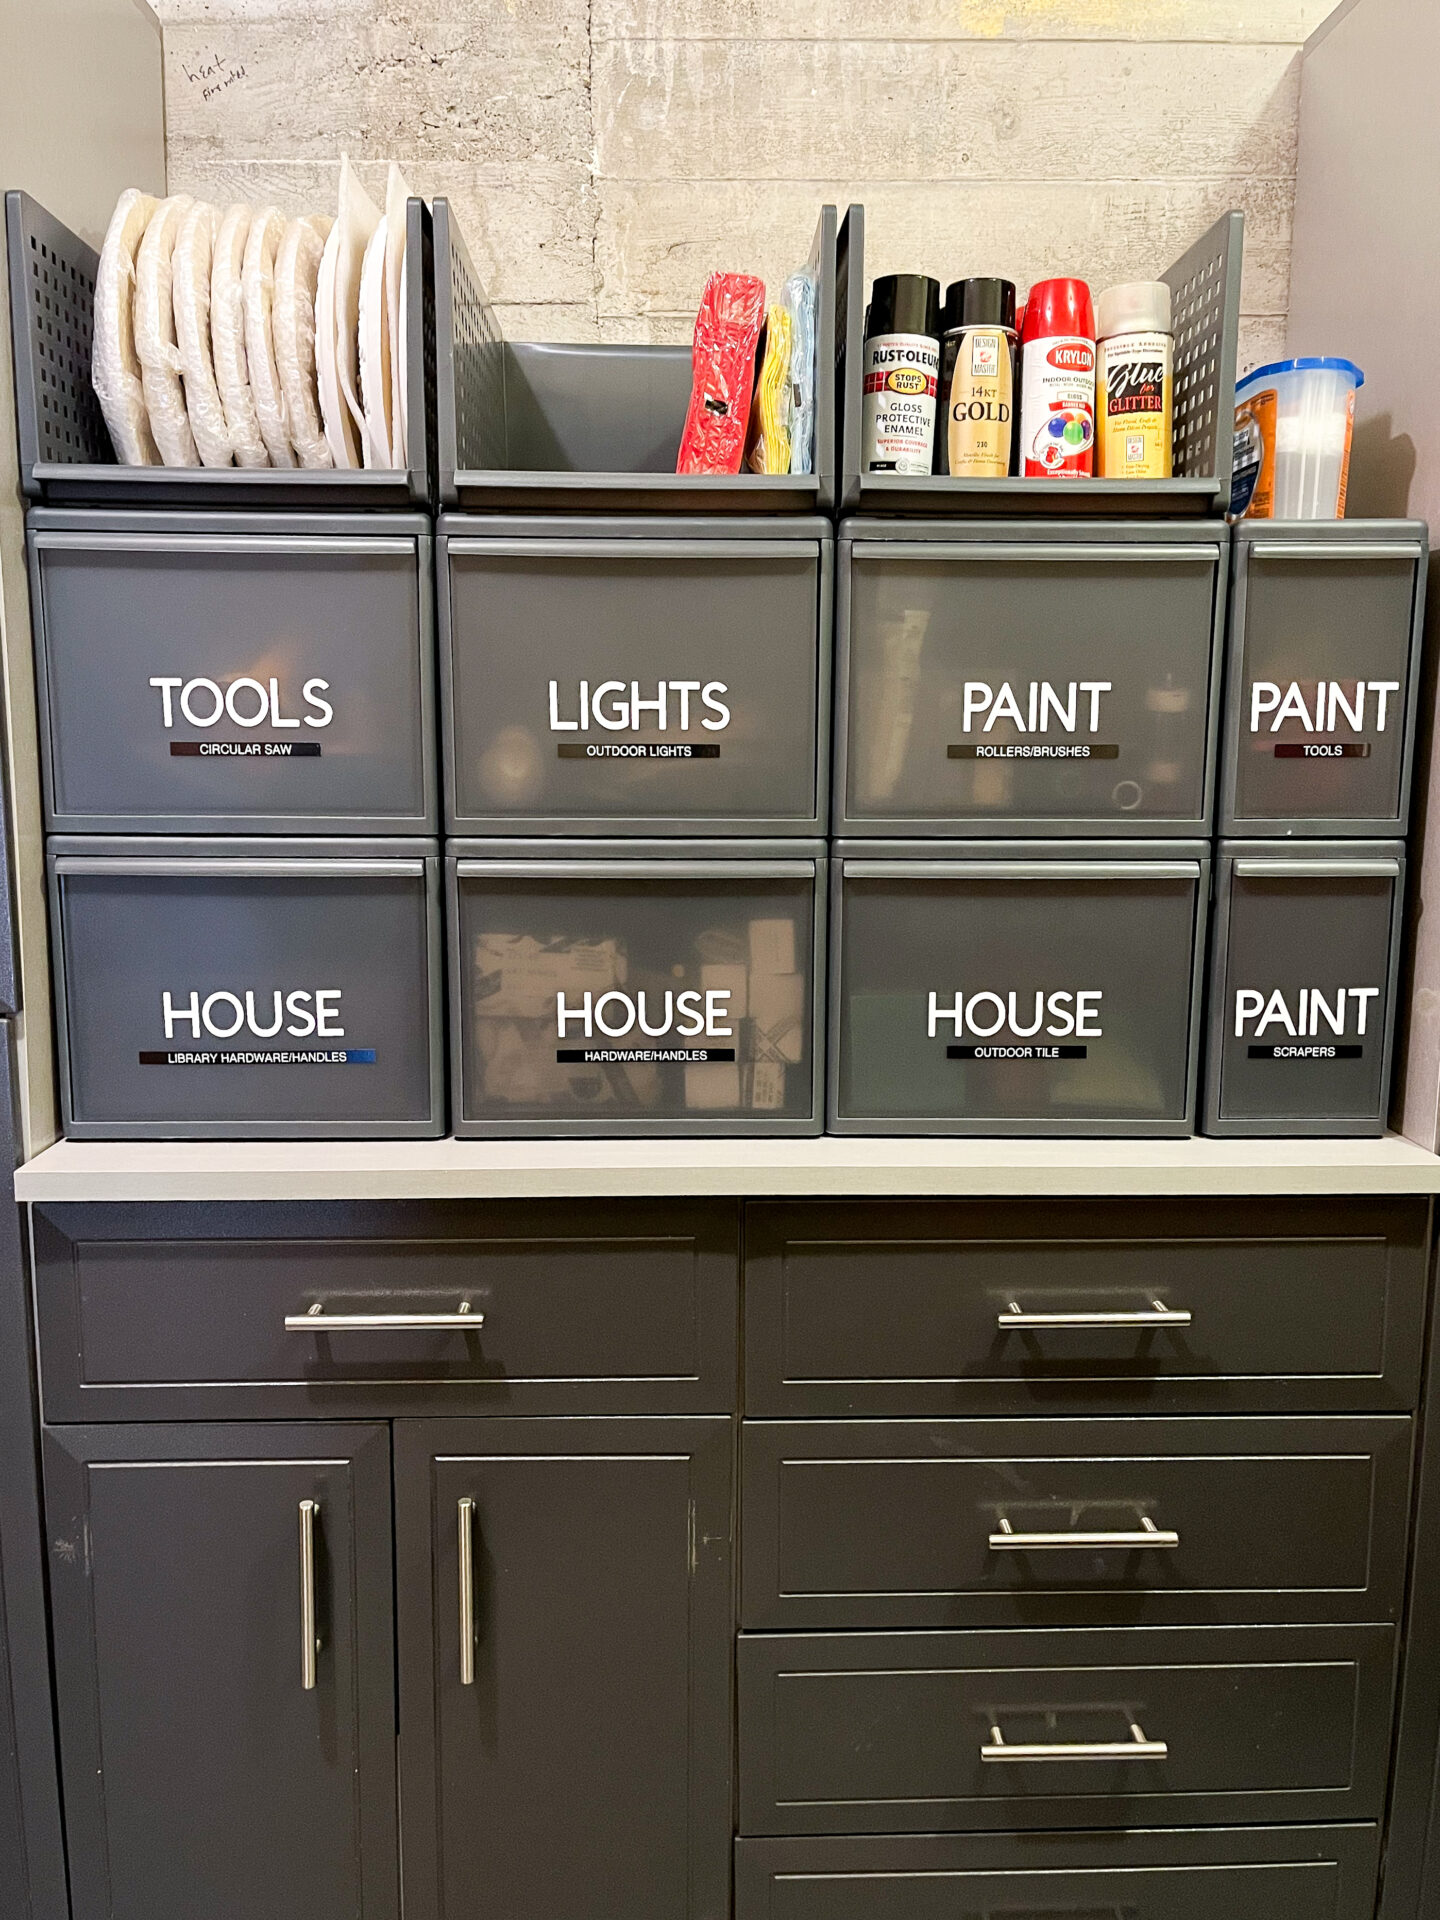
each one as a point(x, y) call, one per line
point(1017, 1053)
point(1063, 1014)
point(245, 749)
point(635, 750)
point(622, 706)
point(1035, 750)
point(1035, 708)
point(1307, 1053)
point(1323, 750)
point(1272, 703)
point(640, 1056)
point(273, 1057)
point(1312, 1013)
point(246, 702)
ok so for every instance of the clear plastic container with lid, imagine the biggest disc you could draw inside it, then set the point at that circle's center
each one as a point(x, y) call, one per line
point(1294, 422)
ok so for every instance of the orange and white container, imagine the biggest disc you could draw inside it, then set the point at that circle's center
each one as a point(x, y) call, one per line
point(1294, 424)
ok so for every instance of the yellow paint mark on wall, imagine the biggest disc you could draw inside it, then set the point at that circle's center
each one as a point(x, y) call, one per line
point(1147, 19)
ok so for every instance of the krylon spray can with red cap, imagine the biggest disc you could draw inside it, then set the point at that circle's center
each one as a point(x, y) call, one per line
point(1057, 421)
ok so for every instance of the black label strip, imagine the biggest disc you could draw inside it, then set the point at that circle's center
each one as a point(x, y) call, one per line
point(1039, 750)
point(636, 750)
point(272, 1057)
point(641, 1056)
point(245, 749)
point(1017, 1053)
point(1323, 750)
point(1303, 1050)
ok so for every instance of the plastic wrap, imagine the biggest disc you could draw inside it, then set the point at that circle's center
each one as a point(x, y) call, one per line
point(397, 196)
point(194, 252)
point(296, 269)
point(375, 385)
point(771, 412)
point(257, 279)
point(227, 337)
point(800, 297)
point(155, 335)
point(114, 366)
point(337, 312)
point(727, 332)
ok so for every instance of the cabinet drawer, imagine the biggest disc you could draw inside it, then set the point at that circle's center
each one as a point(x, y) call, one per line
point(1262, 1873)
point(925, 1523)
point(909, 1732)
point(889, 1309)
point(179, 1312)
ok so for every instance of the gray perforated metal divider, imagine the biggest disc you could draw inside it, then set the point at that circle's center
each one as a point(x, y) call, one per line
point(1205, 303)
point(65, 451)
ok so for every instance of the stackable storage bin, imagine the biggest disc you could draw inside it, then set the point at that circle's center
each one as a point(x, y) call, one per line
point(1027, 678)
point(235, 673)
point(247, 989)
point(1304, 972)
point(1028, 988)
point(659, 677)
point(1323, 680)
point(636, 987)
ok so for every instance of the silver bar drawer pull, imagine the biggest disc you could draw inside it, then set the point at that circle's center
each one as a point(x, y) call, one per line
point(317, 1320)
point(1157, 1314)
point(1146, 1535)
point(1137, 1747)
point(309, 1643)
point(466, 1517)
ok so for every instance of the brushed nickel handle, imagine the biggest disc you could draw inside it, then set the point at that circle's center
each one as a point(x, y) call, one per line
point(1137, 1747)
point(1157, 1314)
point(1145, 1536)
point(317, 1320)
point(466, 1517)
point(309, 1643)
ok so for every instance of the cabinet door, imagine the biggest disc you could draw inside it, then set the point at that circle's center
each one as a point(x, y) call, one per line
point(565, 1623)
point(208, 1770)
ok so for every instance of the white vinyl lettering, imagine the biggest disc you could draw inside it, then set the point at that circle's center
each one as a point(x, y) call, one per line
point(278, 719)
point(202, 719)
point(232, 693)
point(1313, 1012)
point(717, 707)
point(302, 1020)
point(173, 1013)
point(312, 691)
point(325, 1013)
point(983, 1015)
point(165, 686)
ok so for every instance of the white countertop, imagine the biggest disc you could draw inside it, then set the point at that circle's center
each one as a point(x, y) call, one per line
point(795, 1169)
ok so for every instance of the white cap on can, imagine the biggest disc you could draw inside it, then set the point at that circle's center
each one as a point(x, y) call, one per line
point(1141, 307)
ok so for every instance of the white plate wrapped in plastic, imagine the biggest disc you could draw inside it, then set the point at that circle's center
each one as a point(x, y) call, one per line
point(115, 366)
point(155, 335)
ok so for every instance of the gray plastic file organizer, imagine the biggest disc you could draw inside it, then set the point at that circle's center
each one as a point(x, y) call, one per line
point(1018, 678)
point(65, 451)
point(1323, 678)
point(1016, 989)
point(653, 676)
point(248, 989)
point(234, 673)
point(636, 987)
point(1205, 284)
point(1304, 975)
point(525, 426)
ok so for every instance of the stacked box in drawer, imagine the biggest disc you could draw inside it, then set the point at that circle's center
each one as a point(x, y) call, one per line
point(1027, 716)
point(1070, 1579)
point(1321, 711)
point(635, 684)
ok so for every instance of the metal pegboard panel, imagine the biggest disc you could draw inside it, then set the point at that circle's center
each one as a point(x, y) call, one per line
point(1205, 298)
point(52, 304)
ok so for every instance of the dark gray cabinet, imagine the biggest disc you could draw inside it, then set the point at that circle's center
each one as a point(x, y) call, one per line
point(208, 1767)
point(565, 1648)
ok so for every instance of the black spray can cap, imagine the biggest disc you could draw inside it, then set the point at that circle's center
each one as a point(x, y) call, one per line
point(980, 303)
point(904, 303)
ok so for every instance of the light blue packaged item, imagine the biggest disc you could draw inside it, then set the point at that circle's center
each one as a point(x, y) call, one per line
point(799, 298)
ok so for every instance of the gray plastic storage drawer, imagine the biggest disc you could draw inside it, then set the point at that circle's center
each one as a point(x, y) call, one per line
point(233, 673)
point(636, 988)
point(1305, 963)
point(652, 676)
point(247, 989)
point(1326, 621)
point(1029, 988)
point(1022, 678)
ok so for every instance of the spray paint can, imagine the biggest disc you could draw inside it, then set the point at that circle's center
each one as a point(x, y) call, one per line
point(901, 374)
point(978, 437)
point(1057, 423)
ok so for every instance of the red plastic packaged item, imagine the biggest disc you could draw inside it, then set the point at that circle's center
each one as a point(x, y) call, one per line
point(727, 334)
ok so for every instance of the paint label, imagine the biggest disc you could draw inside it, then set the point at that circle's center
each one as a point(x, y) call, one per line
point(902, 382)
point(1135, 388)
point(1057, 425)
point(981, 405)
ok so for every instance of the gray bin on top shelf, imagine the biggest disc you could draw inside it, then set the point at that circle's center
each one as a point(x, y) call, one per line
point(652, 676)
point(636, 987)
point(1323, 679)
point(1304, 978)
point(1002, 679)
point(65, 450)
point(1022, 988)
point(1205, 285)
point(537, 428)
point(248, 989)
point(234, 673)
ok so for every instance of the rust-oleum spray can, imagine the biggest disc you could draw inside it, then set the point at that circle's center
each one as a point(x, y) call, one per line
point(902, 374)
point(1057, 421)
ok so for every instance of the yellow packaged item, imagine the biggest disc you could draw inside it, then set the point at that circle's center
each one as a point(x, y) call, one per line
point(771, 452)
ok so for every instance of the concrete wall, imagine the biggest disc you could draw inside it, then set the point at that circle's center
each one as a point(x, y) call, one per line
point(605, 155)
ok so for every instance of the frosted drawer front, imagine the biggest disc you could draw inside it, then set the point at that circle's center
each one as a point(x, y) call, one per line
point(598, 684)
point(212, 682)
point(996, 687)
point(635, 997)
